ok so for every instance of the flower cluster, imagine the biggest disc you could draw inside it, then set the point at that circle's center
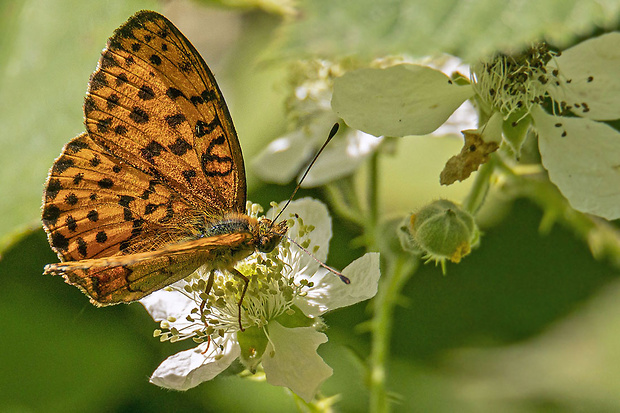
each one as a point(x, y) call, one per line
point(286, 157)
point(288, 292)
point(562, 97)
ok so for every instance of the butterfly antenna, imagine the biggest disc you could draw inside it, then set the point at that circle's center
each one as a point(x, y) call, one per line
point(340, 275)
point(332, 132)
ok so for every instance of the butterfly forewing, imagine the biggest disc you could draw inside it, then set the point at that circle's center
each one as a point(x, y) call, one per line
point(96, 205)
point(154, 103)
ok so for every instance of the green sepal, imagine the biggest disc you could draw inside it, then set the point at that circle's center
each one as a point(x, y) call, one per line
point(515, 131)
point(253, 342)
point(294, 318)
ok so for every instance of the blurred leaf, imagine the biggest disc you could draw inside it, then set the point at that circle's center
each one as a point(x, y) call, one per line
point(272, 6)
point(468, 29)
point(49, 49)
point(574, 365)
point(63, 357)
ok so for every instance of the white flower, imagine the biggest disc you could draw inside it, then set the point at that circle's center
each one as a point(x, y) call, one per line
point(286, 157)
point(281, 311)
point(580, 153)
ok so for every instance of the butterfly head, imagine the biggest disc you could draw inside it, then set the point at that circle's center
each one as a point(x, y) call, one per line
point(269, 234)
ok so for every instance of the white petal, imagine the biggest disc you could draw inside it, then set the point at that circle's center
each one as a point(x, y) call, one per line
point(330, 292)
point(341, 157)
point(189, 368)
point(465, 117)
point(163, 303)
point(283, 158)
point(291, 360)
point(315, 213)
point(598, 58)
point(584, 164)
point(398, 101)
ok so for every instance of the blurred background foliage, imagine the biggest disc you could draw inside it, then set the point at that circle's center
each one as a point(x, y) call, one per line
point(528, 322)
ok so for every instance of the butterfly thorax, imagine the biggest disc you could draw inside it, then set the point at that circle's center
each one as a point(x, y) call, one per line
point(265, 235)
point(228, 224)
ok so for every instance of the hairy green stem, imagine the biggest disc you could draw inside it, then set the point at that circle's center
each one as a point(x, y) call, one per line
point(373, 190)
point(399, 271)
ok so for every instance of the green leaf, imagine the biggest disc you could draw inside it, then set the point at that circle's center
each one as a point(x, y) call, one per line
point(398, 101)
point(48, 53)
point(468, 29)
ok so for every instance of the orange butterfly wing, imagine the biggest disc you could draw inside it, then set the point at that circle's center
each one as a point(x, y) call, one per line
point(154, 103)
point(126, 278)
point(89, 215)
point(160, 162)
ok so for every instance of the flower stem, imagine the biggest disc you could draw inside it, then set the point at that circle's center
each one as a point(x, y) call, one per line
point(343, 203)
point(401, 269)
point(481, 185)
point(373, 190)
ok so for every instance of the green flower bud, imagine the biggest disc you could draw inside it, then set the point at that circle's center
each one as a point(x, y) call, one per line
point(442, 231)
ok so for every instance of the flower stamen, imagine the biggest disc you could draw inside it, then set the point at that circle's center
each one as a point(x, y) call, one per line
point(514, 84)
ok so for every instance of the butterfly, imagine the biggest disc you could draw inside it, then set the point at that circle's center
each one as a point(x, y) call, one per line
point(156, 186)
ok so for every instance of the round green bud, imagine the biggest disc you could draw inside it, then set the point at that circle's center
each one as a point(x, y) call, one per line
point(441, 230)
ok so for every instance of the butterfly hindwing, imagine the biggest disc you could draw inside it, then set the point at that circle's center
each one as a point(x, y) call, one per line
point(128, 278)
point(154, 103)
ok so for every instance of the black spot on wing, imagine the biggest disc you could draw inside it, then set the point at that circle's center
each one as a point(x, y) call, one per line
point(53, 187)
point(155, 59)
point(175, 120)
point(138, 115)
point(125, 200)
point(82, 246)
point(59, 241)
point(71, 223)
point(180, 147)
point(152, 150)
point(101, 237)
point(51, 213)
point(92, 215)
point(105, 183)
point(62, 164)
point(173, 93)
point(146, 93)
point(71, 199)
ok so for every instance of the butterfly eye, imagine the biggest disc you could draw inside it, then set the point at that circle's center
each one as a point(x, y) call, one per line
point(267, 244)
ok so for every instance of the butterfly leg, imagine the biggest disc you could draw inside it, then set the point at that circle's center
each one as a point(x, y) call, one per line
point(208, 345)
point(246, 282)
point(207, 291)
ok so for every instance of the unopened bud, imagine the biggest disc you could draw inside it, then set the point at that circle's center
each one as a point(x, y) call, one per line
point(442, 231)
